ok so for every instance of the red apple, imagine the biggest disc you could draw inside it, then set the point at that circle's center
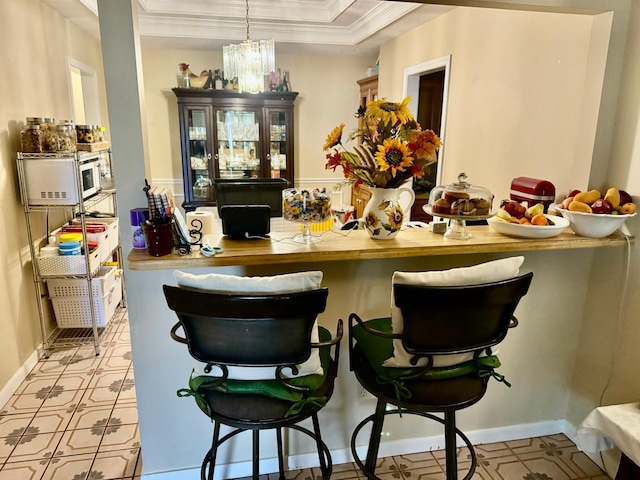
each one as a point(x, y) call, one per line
point(513, 208)
point(572, 193)
point(601, 206)
point(625, 197)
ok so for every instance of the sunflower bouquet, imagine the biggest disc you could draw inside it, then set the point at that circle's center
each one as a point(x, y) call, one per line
point(392, 147)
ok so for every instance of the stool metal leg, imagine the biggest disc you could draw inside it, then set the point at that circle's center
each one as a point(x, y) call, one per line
point(316, 431)
point(280, 453)
point(450, 445)
point(374, 439)
point(256, 454)
point(210, 457)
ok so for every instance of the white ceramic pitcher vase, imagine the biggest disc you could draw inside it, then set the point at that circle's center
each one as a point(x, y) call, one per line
point(387, 210)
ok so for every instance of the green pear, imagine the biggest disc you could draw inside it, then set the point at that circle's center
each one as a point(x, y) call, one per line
point(537, 209)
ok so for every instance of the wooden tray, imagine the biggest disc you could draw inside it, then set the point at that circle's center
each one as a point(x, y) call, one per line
point(92, 147)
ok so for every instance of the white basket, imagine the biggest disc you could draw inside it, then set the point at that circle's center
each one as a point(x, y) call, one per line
point(70, 287)
point(75, 312)
point(69, 264)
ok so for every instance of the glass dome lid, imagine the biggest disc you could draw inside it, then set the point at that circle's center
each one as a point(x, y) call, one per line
point(460, 200)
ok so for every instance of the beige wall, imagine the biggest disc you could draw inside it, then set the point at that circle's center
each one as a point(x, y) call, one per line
point(328, 96)
point(33, 82)
point(517, 84)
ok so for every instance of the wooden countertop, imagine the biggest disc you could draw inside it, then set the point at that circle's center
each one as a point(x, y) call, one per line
point(356, 245)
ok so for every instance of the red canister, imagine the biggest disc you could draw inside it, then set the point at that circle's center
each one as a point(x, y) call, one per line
point(533, 190)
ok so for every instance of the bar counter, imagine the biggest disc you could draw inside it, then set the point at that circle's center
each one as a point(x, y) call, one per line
point(356, 245)
point(538, 357)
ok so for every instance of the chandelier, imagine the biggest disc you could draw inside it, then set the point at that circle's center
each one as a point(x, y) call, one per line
point(249, 61)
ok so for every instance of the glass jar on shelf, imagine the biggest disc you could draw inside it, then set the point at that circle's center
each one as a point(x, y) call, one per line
point(31, 139)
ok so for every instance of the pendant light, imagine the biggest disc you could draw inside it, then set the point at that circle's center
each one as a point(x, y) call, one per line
point(249, 61)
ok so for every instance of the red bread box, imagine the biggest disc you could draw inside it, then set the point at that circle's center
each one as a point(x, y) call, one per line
point(533, 191)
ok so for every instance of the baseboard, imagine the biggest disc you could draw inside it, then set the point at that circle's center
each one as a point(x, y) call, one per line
point(14, 382)
point(308, 460)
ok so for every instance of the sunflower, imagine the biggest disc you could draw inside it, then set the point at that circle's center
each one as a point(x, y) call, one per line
point(333, 138)
point(395, 216)
point(390, 112)
point(395, 155)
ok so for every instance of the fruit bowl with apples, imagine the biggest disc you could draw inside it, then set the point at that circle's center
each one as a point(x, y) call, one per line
point(592, 214)
point(514, 219)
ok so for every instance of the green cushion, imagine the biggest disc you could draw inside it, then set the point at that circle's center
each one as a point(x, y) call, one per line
point(377, 349)
point(272, 388)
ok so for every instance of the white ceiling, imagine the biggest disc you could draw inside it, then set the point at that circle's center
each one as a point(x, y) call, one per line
point(327, 26)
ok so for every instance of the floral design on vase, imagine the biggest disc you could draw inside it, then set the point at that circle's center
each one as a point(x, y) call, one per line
point(384, 214)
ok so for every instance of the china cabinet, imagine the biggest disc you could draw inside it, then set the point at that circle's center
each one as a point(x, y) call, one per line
point(230, 135)
point(84, 289)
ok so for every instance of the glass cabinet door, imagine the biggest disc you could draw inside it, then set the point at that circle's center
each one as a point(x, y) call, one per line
point(199, 154)
point(238, 144)
point(278, 137)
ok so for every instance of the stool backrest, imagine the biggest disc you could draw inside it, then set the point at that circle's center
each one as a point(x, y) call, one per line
point(458, 319)
point(247, 330)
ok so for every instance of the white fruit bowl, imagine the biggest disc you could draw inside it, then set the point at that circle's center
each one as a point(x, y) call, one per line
point(592, 224)
point(530, 231)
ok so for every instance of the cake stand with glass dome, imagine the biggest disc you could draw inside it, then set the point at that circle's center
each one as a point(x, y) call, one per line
point(459, 202)
point(306, 207)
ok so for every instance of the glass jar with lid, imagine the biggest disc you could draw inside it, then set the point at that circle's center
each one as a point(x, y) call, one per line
point(66, 138)
point(31, 138)
point(47, 124)
point(460, 202)
point(72, 129)
point(84, 134)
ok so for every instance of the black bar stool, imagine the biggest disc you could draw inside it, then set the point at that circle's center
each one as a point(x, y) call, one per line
point(438, 320)
point(224, 330)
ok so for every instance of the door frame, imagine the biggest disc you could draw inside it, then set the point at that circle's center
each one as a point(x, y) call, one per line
point(411, 86)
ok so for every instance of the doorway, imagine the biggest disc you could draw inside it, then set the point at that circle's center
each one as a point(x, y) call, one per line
point(427, 84)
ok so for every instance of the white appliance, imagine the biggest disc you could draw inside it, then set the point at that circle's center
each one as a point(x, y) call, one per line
point(54, 181)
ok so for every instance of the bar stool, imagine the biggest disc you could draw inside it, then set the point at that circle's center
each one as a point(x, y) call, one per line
point(461, 320)
point(225, 331)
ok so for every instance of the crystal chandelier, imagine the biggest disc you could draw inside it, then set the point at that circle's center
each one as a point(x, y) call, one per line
point(249, 61)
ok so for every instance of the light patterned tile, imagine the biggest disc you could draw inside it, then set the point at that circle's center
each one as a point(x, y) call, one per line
point(78, 442)
point(344, 471)
point(61, 400)
point(127, 395)
point(50, 367)
point(23, 470)
point(57, 421)
point(120, 437)
point(28, 403)
point(14, 425)
point(74, 380)
point(38, 447)
point(7, 445)
point(109, 378)
point(99, 396)
point(124, 414)
point(579, 462)
point(504, 468)
point(37, 383)
point(90, 417)
point(76, 467)
point(81, 364)
point(526, 445)
point(414, 464)
point(551, 466)
point(115, 464)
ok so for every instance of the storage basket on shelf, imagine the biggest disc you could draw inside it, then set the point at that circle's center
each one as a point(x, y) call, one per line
point(68, 265)
point(70, 299)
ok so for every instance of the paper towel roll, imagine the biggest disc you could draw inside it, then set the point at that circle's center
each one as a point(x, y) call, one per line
point(202, 221)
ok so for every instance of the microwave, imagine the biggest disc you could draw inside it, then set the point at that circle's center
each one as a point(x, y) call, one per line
point(54, 181)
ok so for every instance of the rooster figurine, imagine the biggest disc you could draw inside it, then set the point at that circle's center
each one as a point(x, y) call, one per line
point(194, 81)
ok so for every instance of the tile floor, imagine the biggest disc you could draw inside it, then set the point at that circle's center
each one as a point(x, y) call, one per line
point(75, 418)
